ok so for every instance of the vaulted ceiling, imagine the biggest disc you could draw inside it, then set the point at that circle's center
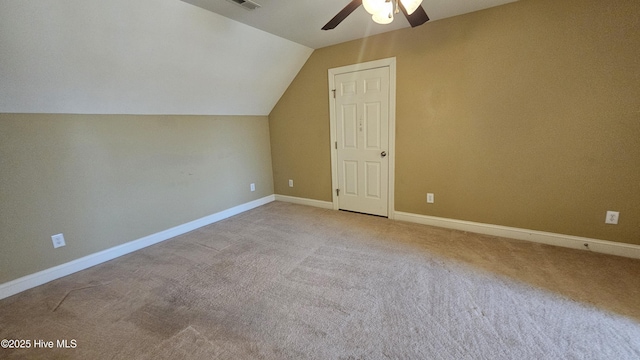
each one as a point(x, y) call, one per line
point(138, 57)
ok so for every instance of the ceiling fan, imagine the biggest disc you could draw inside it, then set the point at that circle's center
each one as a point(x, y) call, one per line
point(382, 11)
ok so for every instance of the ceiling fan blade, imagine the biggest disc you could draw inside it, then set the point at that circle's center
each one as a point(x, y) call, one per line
point(342, 14)
point(417, 18)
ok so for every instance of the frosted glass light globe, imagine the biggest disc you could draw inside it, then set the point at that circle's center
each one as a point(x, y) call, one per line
point(385, 15)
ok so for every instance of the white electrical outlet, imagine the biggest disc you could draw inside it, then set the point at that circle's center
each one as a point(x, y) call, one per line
point(612, 217)
point(430, 199)
point(58, 241)
point(290, 183)
point(253, 187)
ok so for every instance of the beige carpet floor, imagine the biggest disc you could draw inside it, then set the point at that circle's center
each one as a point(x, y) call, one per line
point(286, 281)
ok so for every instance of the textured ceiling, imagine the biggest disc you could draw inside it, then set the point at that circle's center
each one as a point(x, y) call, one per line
point(300, 20)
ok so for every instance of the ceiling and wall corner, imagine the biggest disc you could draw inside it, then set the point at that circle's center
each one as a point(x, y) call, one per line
point(138, 57)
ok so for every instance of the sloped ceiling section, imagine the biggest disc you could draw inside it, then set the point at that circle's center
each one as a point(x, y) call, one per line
point(138, 57)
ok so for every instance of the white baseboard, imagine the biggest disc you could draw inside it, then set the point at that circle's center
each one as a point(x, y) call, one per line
point(303, 201)
point(569, 241)
point(42, 277)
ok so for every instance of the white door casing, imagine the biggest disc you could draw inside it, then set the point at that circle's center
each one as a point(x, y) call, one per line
point(362, 135)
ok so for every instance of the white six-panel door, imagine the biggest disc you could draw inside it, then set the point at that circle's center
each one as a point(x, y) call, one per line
point(362, 134)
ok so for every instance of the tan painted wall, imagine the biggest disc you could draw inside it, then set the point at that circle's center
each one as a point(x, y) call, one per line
point(104, 180)
point(523, 115)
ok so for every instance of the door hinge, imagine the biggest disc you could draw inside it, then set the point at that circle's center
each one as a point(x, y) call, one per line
point(334, 93)
point(337, 192)
point(336, 145)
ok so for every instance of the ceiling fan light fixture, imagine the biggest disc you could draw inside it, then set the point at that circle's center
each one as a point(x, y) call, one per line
point(382, 19)
point(410, 5)
point(385, 15)
point(381, 11)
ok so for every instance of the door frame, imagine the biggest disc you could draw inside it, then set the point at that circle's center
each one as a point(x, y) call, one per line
point(391, 64)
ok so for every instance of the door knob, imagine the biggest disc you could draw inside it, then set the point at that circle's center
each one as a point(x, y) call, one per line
point(383, 154)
